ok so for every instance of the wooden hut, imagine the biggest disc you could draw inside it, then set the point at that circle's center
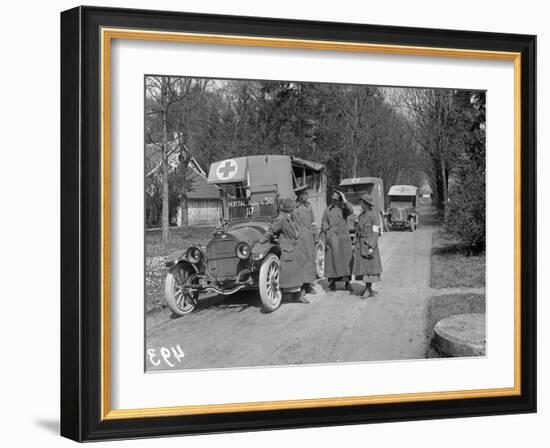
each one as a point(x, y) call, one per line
point(204, 205)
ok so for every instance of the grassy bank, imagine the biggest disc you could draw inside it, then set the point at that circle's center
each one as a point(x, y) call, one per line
point(155, 253)
point(179, 238)
point(453, 266)
point(440, 307)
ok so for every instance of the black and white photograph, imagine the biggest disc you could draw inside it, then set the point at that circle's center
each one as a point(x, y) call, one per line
point(295, 223)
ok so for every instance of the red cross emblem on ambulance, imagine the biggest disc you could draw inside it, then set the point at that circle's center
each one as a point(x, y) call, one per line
point(226, 169)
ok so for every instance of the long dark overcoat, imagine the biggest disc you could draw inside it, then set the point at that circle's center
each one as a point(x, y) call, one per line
point(284, 227)
point(369, 269)
point(304, 218)
point(338, 249)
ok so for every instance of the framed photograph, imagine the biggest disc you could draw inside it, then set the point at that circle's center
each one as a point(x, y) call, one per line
point(277, 224)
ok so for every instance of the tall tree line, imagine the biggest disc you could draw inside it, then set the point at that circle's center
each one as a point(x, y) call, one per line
point(400, 135)
point(449, 127)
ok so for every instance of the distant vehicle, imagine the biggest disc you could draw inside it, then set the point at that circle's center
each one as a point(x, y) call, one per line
point(402, 210)
point(250, 189)
point(425, 198)
point(356, 187)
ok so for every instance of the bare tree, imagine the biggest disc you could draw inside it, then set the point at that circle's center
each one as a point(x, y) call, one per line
point(189, 120)
point(162, 92)
point(431, 116)
point(371, 135)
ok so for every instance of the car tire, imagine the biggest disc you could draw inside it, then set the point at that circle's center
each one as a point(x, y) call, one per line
point(268, 280)
point(178, 300)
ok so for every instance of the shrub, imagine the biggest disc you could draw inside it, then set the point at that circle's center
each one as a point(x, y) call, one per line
point(465, 217)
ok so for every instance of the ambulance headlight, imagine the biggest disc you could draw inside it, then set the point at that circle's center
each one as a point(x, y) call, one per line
point(193, 255)
point(243, 251)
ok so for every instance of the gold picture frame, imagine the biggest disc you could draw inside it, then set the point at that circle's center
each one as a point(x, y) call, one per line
point(107, 32)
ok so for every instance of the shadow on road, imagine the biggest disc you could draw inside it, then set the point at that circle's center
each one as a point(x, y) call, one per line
point(239, 301)
point(356, 288)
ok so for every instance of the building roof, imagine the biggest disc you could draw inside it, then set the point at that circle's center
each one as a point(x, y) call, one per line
point(153, 157)
point(426, 189)
point(201, 189)
point(153, 153)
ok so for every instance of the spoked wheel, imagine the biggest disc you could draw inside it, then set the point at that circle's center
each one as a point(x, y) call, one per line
point(320, 259)
point(270, 292)
point(177, 288)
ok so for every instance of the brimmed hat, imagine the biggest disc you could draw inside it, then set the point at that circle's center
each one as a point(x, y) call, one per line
point(288, 205)
point(368, 199)
point(301, 188)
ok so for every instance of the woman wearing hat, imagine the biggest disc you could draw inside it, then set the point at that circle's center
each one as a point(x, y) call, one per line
point(338, 249)
point(286, 230)
point(303, 215)
point(366, 256)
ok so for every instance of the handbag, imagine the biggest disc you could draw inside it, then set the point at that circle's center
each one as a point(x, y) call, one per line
point(365, 250)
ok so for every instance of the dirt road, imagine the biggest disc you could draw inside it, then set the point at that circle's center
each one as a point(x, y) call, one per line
point(334, 327)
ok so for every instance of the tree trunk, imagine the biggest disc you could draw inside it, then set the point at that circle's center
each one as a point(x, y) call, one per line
point(444, 186)
point(441, 184)
point(355, 138)
point(165, 191)
point(438, 182)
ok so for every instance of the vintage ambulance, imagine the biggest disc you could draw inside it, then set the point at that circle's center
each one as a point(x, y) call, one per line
point(402, 210)
point(251, 189)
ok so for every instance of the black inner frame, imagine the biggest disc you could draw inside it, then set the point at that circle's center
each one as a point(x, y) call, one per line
point(81, 221)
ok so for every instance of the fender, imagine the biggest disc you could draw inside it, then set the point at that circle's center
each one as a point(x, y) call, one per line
point(193, 267)
point(174, 258)
point(179, 257)
point(260, 250)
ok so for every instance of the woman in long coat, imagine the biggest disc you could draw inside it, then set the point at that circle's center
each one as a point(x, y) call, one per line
point(304, 218)
point(286, 230)
point(338, 249)
point(367, 265)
